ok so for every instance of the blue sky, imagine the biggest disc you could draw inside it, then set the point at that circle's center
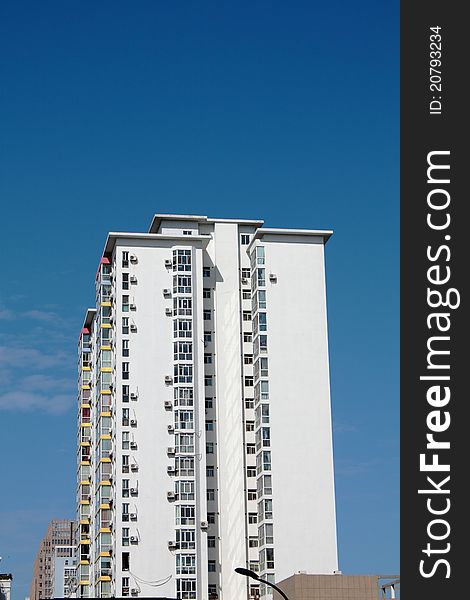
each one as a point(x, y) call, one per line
point(113, 111)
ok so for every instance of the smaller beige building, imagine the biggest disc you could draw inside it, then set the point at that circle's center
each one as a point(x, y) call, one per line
point(5, 585)
point(303, 586)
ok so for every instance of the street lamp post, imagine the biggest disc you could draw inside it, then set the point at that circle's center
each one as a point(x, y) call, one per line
point(253, 575)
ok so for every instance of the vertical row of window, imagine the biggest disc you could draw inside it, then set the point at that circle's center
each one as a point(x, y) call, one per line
point(262, 424)
point(184, 436)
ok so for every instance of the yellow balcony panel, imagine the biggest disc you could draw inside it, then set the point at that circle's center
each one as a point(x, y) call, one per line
point(104, 578)
point(105, 348)
point(84, 521)
point(106, 392)
point(85, 444)
point(85, 405)
point(84, 502)
point(85, 463)
point(106, 414)
point(107, 460)
point(105, 326)
point(85, 482)
point(105, 530)
point(105, 436)
point(84, 562)
point(85, 424)
point(86, 387)
point(106, 369)
point(86, 368)
point(83, 581)
point(106, 303)
point(105, 506)
point(84, 542)
point(105, 482)
point(105, 554)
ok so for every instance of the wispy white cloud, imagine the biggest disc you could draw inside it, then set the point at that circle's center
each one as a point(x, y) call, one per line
point(26, 400)
point(32, 358)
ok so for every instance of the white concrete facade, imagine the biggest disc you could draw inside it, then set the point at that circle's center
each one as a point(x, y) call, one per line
point(204, 412)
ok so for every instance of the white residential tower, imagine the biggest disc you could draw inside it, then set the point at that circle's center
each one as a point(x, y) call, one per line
point(204, 412)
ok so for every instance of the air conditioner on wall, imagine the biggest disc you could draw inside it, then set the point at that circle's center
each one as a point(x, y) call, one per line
point(168, 404)
point(168, 312)
point(133, 258)
point(166, 292)
point(132, 306)
point(133, 396)
point(168, 262)
point(133, 516)
point(204, 524)
point(133, 423)
point(134, 539)
point(168, 379)
point(170, 450)
point(170, 495)
point(133, 279)
point(133, 327)
point(170, 428)
point(172, 544)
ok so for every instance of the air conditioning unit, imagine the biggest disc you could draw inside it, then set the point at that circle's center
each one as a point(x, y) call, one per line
point(133, 258)
point(134, 591)
point(168, 379)
point(172, 544)
point(168, 262)
point(168, 312)
point(134, 491)
point(166, 292)
point(133, 279)
point(133, 327)
point(133, 516)
point(133, 422)
point(134, 396)
point(204, 525)
point(170, 450)
point(170, 428)
point(132, 306)
point(171, 495)
point(134, 468)
point(133, 445)
point(273, 277)
point(168, 404)
point(170, 469)
point(134, 539)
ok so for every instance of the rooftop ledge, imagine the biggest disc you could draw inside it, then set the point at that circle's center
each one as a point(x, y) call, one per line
point(159, 217)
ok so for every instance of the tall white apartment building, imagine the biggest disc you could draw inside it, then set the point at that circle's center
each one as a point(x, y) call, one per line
point(204, 420)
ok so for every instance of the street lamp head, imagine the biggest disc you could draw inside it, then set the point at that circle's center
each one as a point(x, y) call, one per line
point(246, 572)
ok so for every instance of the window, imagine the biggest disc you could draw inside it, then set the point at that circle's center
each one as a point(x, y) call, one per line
point(206, 271)
point(183, 373)
point(208, 358)
point(125, 393)
point(262, 321)
point(209, 403)
point(186, 588)
point(211, 494)
point(182, 328)
point(125, 304)
point(207, 336)
point(125, 463)
point(125, 488)
point(125, 417)
point(185, 515)
point(262, 298)
point(125, 512)
point(252, 518)
point(248, 359)
point(210, 471)
point(254, 566)
point(253, 542)
point(249, 403)
point(209, 447)
point(187, 232)
point(245, 273)
point(184, 419)
point(182, 260)
point(125, 440)
point(211, 518)
point(247, 336)
point(184, 490)
point(125, 370)
point(182, 284)
point(206, 293)
point(125, 347)
point(250, 449)
point(252, 495)
point(211, 566)
point(246, 294)
point(250, 426)
point(186, 539)
point(125, 325)
point(261, 277)
point(185, 564)
point(207, 315)
point(247, 315)
point(183, 351)
point(251, 471)
point(125, 281)
point(182, 307)
point(245, 239)
point(183, 396)
point(125, 259)
point(184, 466)
point(211, 541)
point(209, 425)
point(208, 380)
point(184, 442)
